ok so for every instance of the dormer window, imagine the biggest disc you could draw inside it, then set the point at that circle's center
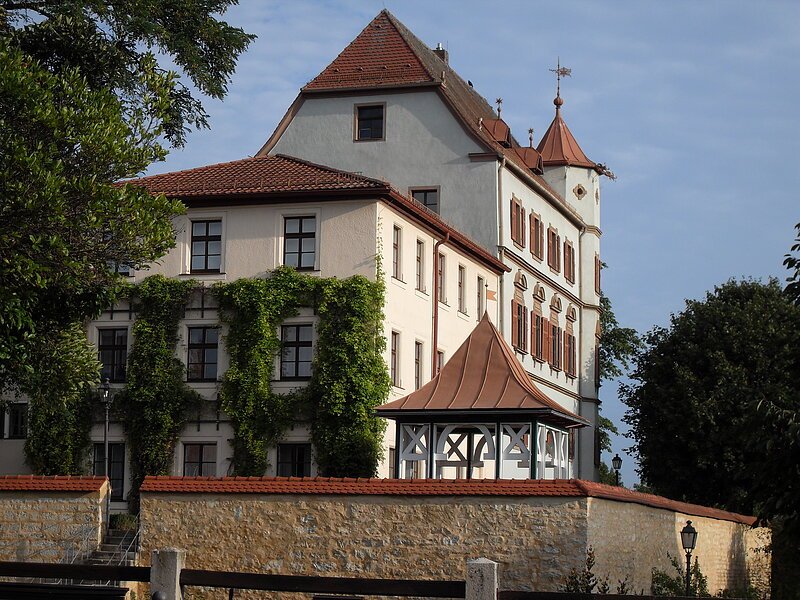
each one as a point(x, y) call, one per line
point(369, 122)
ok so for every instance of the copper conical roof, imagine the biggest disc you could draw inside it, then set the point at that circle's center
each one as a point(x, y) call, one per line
point(559, 147)
point(482, 376)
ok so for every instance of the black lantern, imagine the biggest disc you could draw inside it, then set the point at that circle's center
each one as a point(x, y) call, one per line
point(616, 462)
point(688, 541)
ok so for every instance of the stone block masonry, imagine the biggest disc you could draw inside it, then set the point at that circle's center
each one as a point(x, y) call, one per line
point(537, 531)
point(50, 519)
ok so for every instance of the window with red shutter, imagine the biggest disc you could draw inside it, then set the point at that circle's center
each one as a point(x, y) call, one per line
point(517, 222)
point(514, 324)
point(537, 236)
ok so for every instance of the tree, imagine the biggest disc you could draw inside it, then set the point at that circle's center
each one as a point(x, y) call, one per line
point(792, 262)
point(713, 409)
point(83, 104)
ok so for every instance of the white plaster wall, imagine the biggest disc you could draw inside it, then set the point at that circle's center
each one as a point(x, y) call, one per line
point(424, 145)
point(410, 311)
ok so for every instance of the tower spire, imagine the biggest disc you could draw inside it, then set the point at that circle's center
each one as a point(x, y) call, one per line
point(560, 72)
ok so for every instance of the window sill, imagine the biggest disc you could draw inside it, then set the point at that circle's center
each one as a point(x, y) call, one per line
point(554, 270)
point(538, 258)
point(463, 315)
point(380, 139)
point(520, 351)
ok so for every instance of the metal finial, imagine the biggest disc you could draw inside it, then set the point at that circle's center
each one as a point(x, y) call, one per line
point(499, 102)
point(530, 137)
point(560, 72)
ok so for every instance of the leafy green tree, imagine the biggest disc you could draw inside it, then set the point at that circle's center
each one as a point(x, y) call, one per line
point(792, 262)
point(713, 407)
point(83, 104)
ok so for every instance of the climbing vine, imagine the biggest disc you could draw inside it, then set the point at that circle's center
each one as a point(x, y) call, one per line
point(156, 399)
point(349, 375)
point(349, 378)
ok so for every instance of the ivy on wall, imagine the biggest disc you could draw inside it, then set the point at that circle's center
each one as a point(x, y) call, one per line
point(156, 399)
point(349, 375)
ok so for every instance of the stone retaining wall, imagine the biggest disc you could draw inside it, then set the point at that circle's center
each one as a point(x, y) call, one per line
point(536, 538)
point(49, 519)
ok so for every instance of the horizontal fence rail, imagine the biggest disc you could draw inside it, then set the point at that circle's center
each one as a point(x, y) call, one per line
point(74, 571)
point(513, 595)
point(50, 591)
point(324, 585)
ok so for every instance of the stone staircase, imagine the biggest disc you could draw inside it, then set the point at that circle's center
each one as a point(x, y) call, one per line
point(119, 547)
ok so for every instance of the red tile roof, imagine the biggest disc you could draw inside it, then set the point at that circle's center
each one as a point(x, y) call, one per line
point(378, 56)
point(386, 41)
point(482, 375)
point(259, 175)
point(50, 483)
point(559, 147)
point(332, 486)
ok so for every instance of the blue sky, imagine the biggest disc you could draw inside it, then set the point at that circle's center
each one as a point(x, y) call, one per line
point(694, 105)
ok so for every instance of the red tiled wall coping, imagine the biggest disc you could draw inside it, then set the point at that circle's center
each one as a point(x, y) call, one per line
point(560, 488)
point(50, 483)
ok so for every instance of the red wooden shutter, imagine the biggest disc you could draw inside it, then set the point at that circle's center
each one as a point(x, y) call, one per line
point(514, 324)
point(513, 220)
point(524, 337)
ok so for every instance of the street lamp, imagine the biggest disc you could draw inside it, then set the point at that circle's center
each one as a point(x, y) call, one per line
point(616, 462)
point(105, 389)
point(688, 541)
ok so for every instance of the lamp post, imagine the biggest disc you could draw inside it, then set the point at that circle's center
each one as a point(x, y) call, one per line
point(688, 541)
point(616, 462)
point(105, 388)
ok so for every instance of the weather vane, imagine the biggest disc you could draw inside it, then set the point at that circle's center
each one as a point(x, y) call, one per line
point(499, 102)
point(530, 137)
point(560, 72)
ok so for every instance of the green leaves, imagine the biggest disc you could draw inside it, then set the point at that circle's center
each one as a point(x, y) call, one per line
point(714, 405)
point(349, 376)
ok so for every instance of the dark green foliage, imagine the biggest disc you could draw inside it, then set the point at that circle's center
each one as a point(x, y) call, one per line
point(714, 405)
point(62, 145)
point(156, 399)
point(59, 389)
point(666, 584)
point(586, 582)
point(792, 262)
point(115, 45)
point(349, 376)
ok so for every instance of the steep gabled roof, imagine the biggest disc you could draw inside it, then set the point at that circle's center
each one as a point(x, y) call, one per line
point(559, 147)
point(482, 376)
point(385, 55)
point(260, 175)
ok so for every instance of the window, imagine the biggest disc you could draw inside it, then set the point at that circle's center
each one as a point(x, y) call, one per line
point(441, 288)
point(206, 246)
point(428, 198)
point(120, 268)
point(18, 420)
point(202, 361)
point(540, 325)
point(116, 467)
point(394, 370)
point(297, 351)
point(519, 326)
point(294, 460)
point(397, 248)
point(369, 122)
point(597, 268)
point(517, 222)
point(462, 297)
point(569, 261)
point(570, 355)
point(439, 360)
point(481, 300)
point(112, 348)
point(300, 242)
point(417, 365)
point(420, 275)
point(556, 346)
point(200, 460)
point(553, 249)
point(392, 458)
point(537, 236)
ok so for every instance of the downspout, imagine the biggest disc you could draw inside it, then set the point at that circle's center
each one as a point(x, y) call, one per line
point(501, 238)
point(435, 332)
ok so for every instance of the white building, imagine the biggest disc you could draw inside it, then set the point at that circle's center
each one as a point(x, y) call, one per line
point(516, 236)
point(392, 108)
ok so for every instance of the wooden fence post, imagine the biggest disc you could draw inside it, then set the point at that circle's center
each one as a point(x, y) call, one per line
point(481, 579)
point(165, 572)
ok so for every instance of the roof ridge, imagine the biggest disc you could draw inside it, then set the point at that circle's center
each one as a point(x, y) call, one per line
point(190, 169)
point(322, 167)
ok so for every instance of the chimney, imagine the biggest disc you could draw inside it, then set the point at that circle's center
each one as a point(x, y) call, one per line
point(440, 52)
